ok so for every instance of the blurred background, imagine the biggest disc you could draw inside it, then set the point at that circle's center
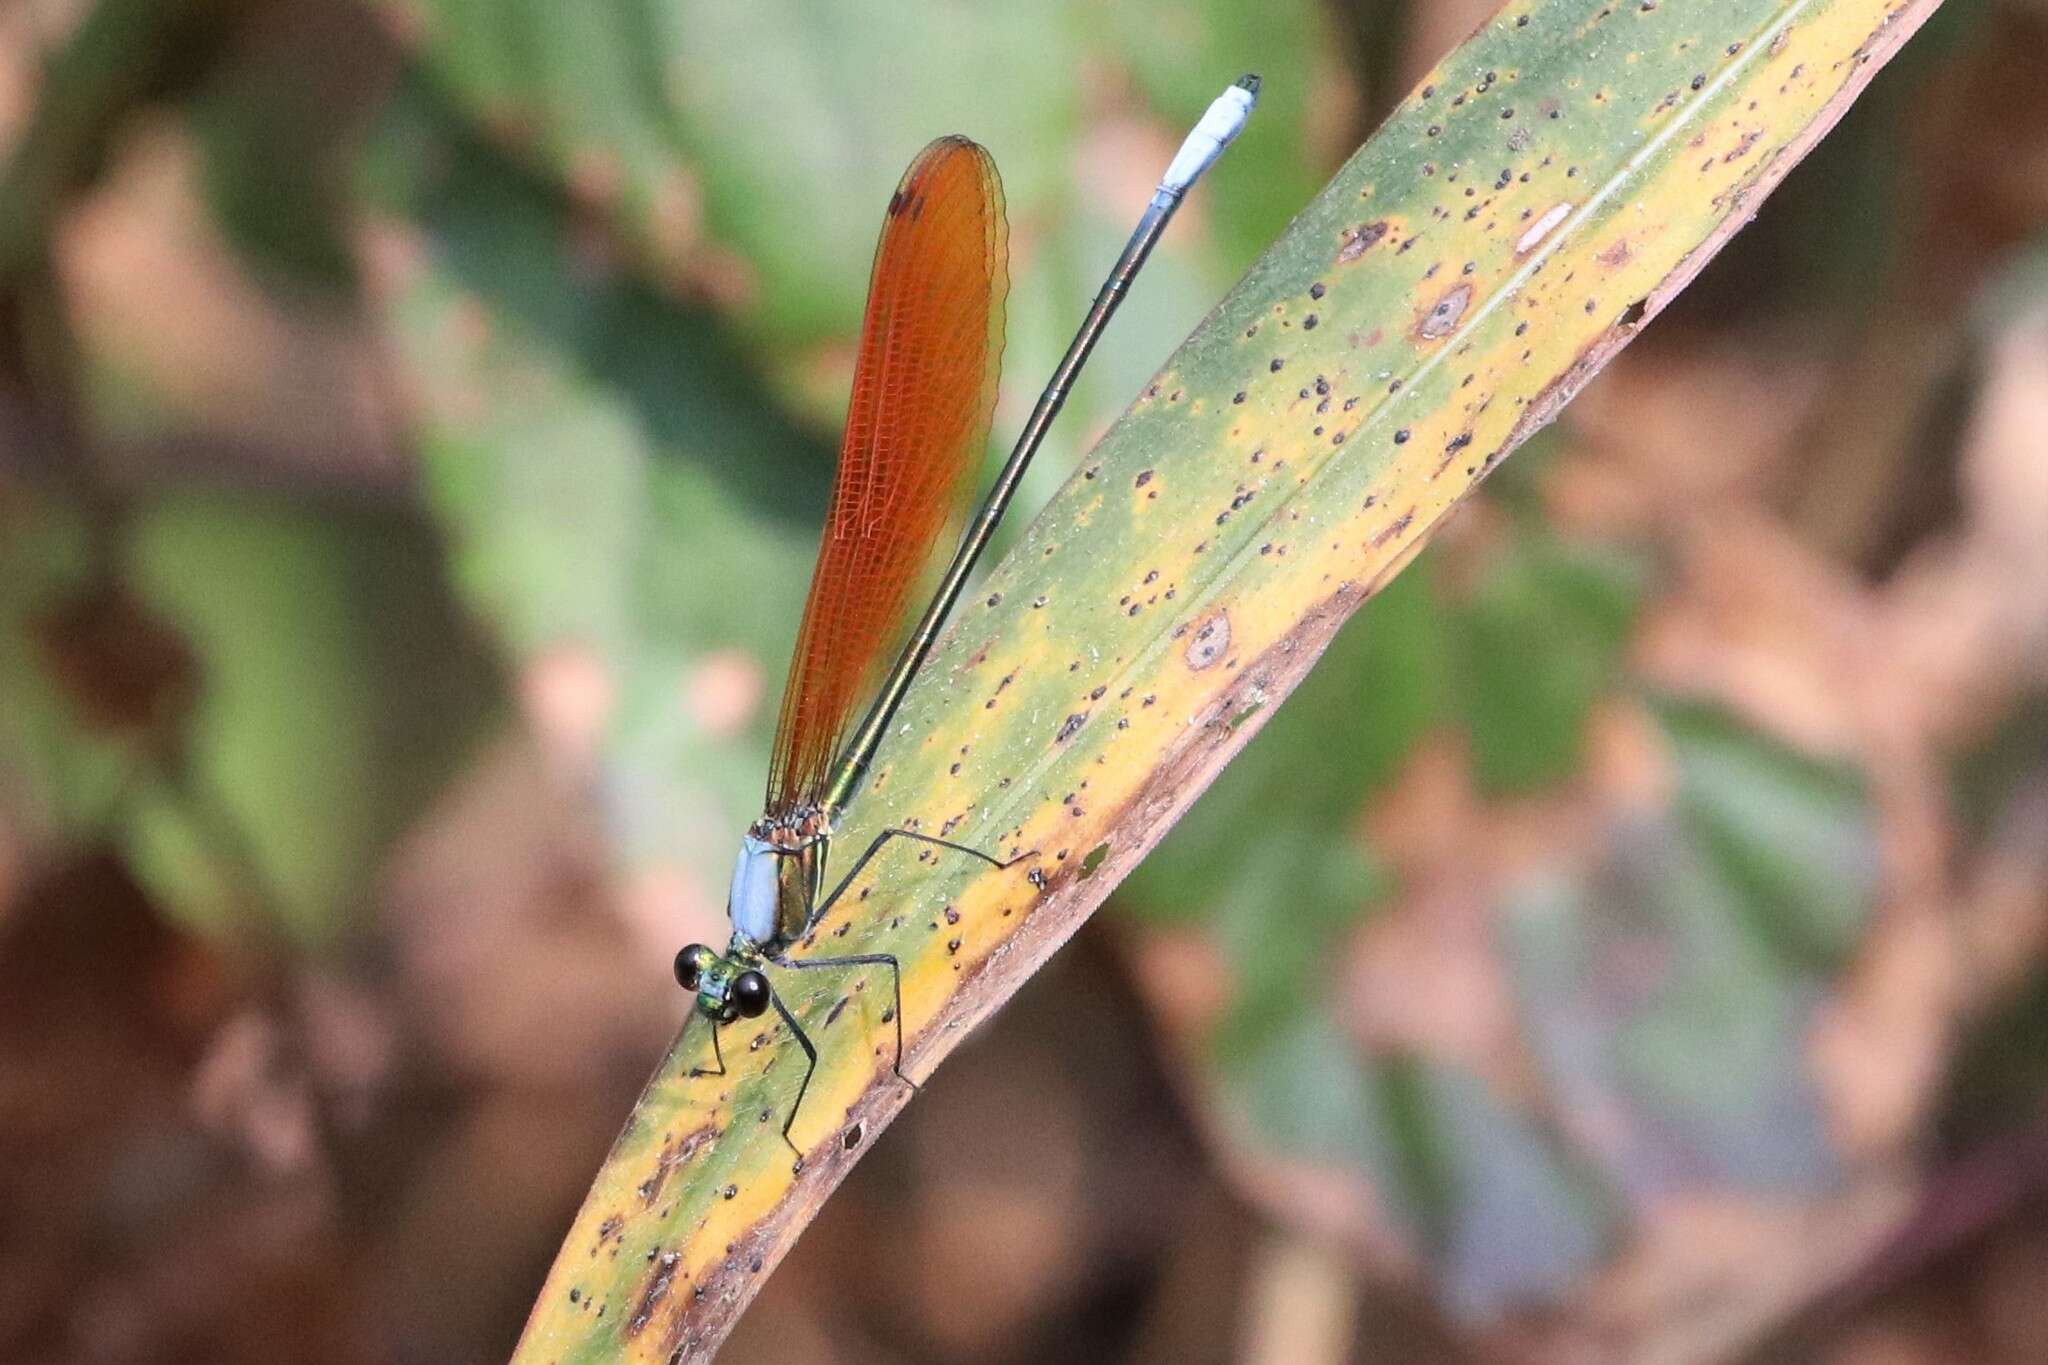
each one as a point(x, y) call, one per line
point(415, 416)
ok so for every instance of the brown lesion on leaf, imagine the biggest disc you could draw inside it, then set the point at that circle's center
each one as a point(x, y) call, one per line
point(1443, 315)
point(1617, 255)
point(1451, 449)
point(674, 1152)
point(1361, 239)
point(1393, 529)
point(660, 1277)
point(1212, 638)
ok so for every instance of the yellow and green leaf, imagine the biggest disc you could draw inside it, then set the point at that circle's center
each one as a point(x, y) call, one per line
point(1523, 213)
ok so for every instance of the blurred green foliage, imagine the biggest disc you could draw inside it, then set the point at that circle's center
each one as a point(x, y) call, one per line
point(615, 254)
point(618, 459)
point(1666, 984)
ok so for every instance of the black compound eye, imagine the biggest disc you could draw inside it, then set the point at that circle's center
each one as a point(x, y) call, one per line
point(690, 965)
point(750, 993)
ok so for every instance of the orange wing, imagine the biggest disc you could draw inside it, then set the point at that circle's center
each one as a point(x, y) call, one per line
point(924, 389)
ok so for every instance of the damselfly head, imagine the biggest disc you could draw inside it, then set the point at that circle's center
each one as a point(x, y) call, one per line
point(725, 991)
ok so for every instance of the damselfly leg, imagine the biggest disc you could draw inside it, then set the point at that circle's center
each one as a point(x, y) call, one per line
point(803, 1040)
point(717, 1052)
point(867, 855)
point(813, 964)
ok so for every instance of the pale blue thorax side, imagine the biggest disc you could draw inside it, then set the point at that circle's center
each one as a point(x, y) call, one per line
point(751, 902)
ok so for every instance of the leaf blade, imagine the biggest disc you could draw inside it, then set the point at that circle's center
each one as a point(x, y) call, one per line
point(1183, 582)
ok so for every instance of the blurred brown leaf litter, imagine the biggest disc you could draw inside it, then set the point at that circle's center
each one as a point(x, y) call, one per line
point(1629, 945)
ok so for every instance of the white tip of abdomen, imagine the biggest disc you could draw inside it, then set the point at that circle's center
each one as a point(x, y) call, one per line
point(1219, 126)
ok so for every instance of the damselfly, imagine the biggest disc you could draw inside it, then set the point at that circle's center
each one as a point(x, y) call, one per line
point(924, 390)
